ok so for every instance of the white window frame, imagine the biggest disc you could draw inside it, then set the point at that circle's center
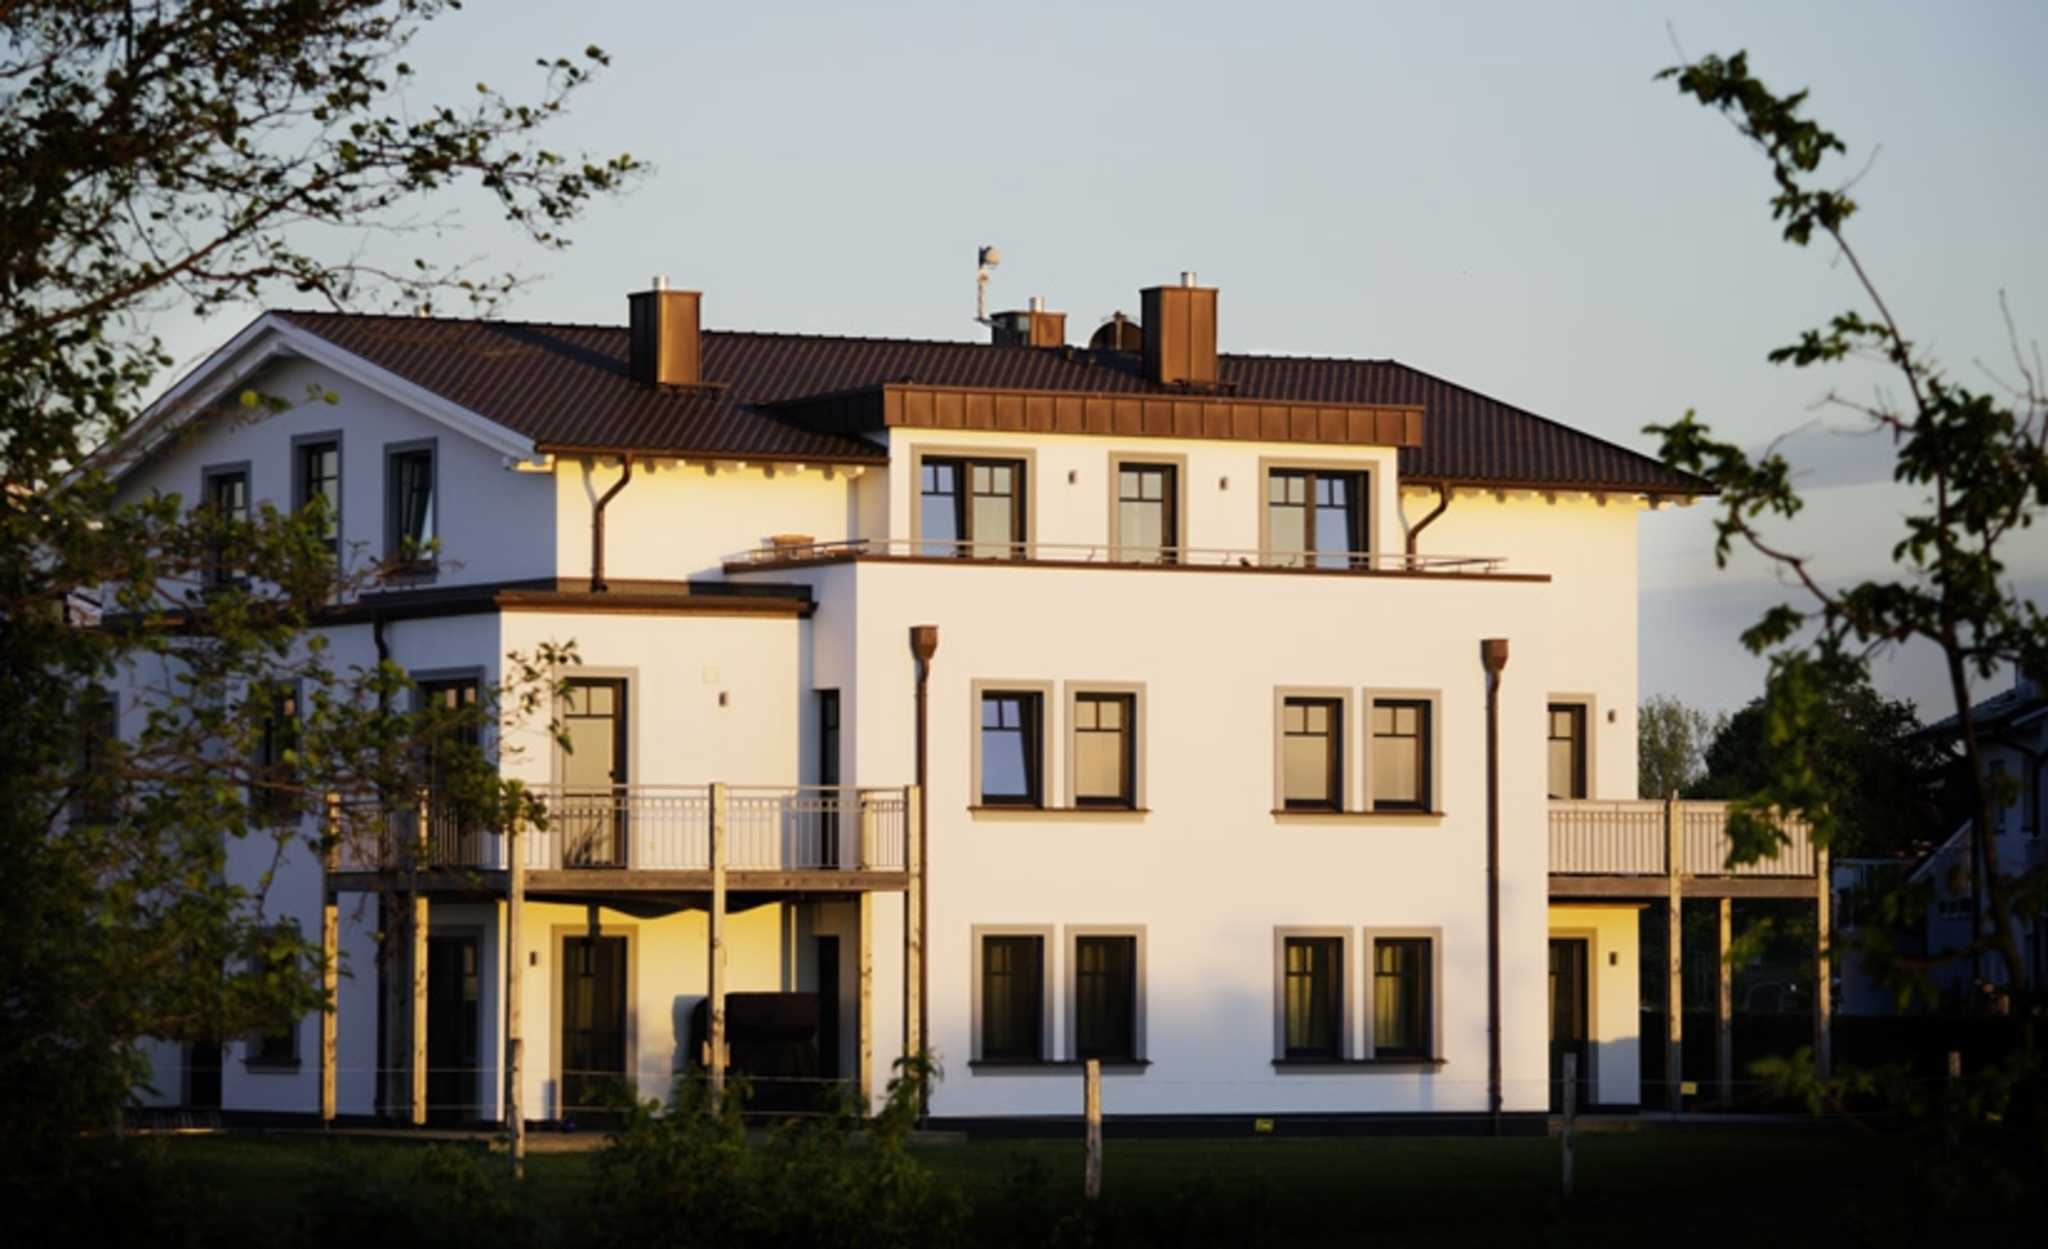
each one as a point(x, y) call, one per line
point(1347, 992)
point(1048, 1037)
point(1070, 940)
point(1434, 935)
point(1433, 744)
point(1070, 696)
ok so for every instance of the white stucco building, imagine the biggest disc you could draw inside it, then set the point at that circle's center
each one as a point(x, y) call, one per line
point(1210, 768)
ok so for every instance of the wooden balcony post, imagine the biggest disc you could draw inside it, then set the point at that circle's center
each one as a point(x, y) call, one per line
point(864, 1023)
point(1823, 987)
point(419, 1008)
point(913, 926)
point(1674, 957)
point(515, 966)
point(1724, 1004)
point(330, 958)
point(715, 1010)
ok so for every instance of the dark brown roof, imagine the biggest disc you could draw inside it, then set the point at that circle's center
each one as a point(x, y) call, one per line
point(566, 388)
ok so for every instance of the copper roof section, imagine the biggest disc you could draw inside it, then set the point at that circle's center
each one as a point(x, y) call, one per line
point(567, 388)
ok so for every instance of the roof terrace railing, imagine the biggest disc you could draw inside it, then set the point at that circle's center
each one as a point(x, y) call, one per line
point(1631, 838)
point(1108, 555)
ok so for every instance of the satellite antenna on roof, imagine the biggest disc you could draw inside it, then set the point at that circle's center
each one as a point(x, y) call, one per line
point(985, 260)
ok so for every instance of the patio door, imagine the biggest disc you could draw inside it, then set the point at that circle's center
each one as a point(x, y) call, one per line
point(592, 811)
point(454, 1030)
point(593, 1022)
point(1569, 1030)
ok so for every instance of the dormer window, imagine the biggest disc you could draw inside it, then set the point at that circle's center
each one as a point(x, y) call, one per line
point(413, 521)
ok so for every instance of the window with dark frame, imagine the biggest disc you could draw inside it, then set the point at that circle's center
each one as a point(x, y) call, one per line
point(317, 475)
point(1012, 999)
point(227, 495)
point(93, 795)
point(1401, 1009)
point(1314, 998)
point(1012, 748)
point(1106, 998)
point(270, 796)
point(1312, 754)
point(1567, 750)
point(414, 510)
point(1400, 754)
point(828, 776)
point(278, 1049)
point(1105, 750)
point(1147, 513)
point(1316, 518)
point(971, 508)
point(456, 699)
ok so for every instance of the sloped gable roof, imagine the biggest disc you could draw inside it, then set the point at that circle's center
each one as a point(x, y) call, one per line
point(567, 388)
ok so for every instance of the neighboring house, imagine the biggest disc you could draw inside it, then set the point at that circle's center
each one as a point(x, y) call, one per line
point(2012, 731)
point(1210, 760)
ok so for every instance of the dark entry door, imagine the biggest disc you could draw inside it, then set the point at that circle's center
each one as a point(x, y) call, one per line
point(828, 1008)
point(454, 1024)
point(593, 1020)
point(1569, 1030)
point(593, 772)
point(202, 1076)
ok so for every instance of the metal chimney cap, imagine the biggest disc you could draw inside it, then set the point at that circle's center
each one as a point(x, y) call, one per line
point(1187, 277)
point(1038, 303)
point(661, 281)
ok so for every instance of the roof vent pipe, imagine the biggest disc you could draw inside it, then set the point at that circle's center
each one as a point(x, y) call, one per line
point(1187, 277)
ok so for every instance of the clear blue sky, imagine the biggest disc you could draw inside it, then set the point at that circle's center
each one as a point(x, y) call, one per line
point(1495, 193)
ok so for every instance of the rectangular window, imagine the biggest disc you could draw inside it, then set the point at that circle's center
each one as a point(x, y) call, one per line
point(1106, 998)
point(1105, 750)
point(1316, 518)
point(94, 792)
point(1012, 748)
point(828, 777)
point(227, 496)
point(1401, 1010)
point(411, 487)
point(1012, 999)
point(971, 508)
point(1147, 513)
point(457, 732)
point(278, 1049)
point(1400, 755)
point(1313, 1002)
point(1567, 750)
point(1312, 754)
point(317, 476)
point(273, 771)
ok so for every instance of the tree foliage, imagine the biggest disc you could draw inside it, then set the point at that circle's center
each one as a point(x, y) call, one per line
point(186, 156)
point(1975, 458)
point(1671, 746)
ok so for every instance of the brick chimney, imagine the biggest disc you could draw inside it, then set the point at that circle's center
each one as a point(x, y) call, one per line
point(663, 344)
point(1033, 327)
point(1180, 333)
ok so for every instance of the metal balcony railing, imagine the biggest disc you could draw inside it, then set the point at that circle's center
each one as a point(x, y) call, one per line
point(1633, 838)
point(1104, 554)
point(652, 828)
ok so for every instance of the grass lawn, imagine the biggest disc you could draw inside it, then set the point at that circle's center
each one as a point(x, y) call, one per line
point(1647, 1187)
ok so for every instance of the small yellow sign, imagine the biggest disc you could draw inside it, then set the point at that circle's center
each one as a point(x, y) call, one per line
point(1690, 1088)
point(1262, 1127)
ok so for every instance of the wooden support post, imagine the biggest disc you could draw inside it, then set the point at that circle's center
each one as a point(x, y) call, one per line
point(419, 1009)
point(1724, 1004)
point(1567, 1130)
point(330, 959)
point(422, 813)
point(913, 925)
point(715, 1031)
point(1824, 972)
point(1091, 1115)
point(1674, 958)
point(864, 1022)
point(515, 967)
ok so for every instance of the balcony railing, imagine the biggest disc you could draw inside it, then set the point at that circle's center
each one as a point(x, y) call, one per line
point(1633, 838)
point(653, 828)
point(1102, 554)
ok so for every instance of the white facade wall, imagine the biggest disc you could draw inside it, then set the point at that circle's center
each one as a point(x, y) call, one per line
point(495, 524)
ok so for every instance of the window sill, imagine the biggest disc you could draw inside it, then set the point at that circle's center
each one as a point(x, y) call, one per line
point(1053, 1066)
point(1113, 815)
point(1354, 1066)
point(1358, 817)
point(256, 1066)
point(418, 573)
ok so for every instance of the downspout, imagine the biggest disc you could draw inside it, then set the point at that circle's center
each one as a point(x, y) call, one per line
point(1443, 502)
point(924, 643)
point(597, 584)
point(1493, 653)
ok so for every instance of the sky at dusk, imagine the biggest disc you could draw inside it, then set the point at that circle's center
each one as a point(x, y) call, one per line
point(1499, 194)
